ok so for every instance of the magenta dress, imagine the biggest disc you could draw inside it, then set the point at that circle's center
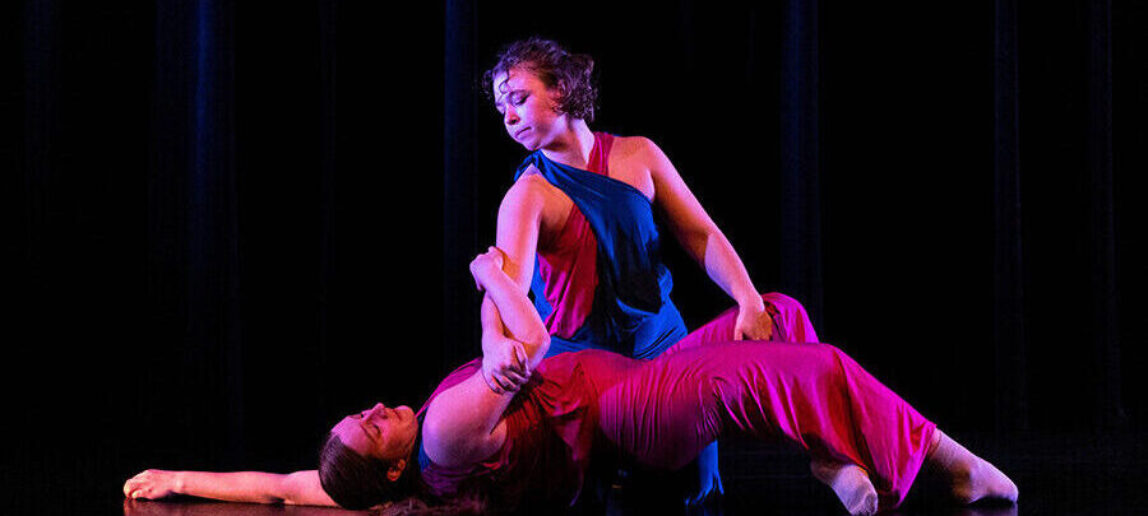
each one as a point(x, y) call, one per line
point(663, 412)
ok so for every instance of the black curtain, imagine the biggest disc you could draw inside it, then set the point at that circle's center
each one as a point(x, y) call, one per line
point(460, 198)
point(232, 223)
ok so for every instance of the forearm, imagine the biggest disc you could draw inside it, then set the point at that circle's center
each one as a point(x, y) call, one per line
point(516, 314)
point(491, 319)
point(725, 268)
point(242, 486)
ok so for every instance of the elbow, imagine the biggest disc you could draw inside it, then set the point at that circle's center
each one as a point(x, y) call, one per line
point(538, 337)
point(539, 340)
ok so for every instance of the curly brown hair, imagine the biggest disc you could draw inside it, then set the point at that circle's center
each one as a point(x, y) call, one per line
point(571, 75)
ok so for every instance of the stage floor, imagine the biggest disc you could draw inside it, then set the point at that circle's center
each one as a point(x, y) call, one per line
point(1056, 475)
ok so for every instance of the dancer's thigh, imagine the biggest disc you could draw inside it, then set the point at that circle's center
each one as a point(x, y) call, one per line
point(659, 416)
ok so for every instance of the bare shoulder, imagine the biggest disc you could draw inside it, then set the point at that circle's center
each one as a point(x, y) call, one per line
point(528, 188)
point(640, 149)
point(634, 146)
point(533, 195)
point(636, 160)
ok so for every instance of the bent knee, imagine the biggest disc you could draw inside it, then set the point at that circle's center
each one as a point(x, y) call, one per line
point(783, 301)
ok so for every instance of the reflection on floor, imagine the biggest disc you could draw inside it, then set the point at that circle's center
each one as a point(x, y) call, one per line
point(1065, 475)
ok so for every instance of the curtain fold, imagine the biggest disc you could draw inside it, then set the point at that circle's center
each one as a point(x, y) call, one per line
point(193, 217)
point(1011, 407)
point(460, 180)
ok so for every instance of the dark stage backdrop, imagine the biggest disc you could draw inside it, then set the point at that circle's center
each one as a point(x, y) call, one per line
point(231, 224)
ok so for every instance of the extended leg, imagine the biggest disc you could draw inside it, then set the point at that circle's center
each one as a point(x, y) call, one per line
point(811, 394)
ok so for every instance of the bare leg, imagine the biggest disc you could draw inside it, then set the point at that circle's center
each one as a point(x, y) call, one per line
point(850, 483)
point(972, 478)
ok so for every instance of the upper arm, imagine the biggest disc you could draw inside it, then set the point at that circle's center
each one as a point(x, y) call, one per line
point(519, 223)
point(303, 488)
point(463, 424)
point(684, 213)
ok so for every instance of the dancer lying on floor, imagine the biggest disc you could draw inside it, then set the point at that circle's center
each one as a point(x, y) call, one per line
point(530, 450)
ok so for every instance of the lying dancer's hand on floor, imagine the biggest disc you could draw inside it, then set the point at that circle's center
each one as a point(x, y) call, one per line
point(152, 484)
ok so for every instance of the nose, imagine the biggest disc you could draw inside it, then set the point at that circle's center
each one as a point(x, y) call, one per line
point(510, 117)
point(374, 410)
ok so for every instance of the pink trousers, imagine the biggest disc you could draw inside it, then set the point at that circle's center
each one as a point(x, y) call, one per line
point(663, 412)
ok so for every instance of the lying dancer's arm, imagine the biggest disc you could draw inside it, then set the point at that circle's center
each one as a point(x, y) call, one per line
point(464, 424)
point(515, 310)
point(298, 488)
point(706, 244)
point(519, 222)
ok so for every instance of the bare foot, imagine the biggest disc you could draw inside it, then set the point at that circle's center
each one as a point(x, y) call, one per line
point(851, 485)
point(971, 478)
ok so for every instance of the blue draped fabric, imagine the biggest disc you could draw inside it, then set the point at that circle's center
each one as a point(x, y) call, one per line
point(632, 313)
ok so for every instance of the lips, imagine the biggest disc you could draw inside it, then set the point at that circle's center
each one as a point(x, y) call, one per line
point(520, 131)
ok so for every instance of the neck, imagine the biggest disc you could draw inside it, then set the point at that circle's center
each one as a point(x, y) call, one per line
point(573, 147)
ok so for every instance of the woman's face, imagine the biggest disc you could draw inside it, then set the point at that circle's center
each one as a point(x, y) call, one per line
point(528, 108)
point(387, 434)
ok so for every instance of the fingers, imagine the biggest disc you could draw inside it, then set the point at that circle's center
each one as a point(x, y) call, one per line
point(488, 377)
point(767, 322)
point(490, 382)
point(503, 380)
point(132, 485)
point(496, 255)
point(506, 383)
point(511, 377)
point(523, 361)
point(514, 376)
point(474, 275)
point(738, 334)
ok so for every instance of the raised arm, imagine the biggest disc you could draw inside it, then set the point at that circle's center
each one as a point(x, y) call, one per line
point(518, 314)
point(706, 244)
point(298, 488)
point(463, 424)
point(519, 222)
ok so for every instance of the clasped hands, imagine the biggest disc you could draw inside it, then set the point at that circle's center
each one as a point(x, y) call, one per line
point(505, 367)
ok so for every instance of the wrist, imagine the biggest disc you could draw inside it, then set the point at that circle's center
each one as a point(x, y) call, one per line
point(179, 482)
point(751, 303)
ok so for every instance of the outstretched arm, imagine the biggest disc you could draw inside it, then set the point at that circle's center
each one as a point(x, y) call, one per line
point(298, 488)
point(706, 244)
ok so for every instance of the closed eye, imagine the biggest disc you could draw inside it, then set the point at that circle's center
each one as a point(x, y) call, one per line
point(371, 429)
